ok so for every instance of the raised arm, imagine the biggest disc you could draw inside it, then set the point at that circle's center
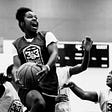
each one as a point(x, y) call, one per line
point(87, 45)
point(84, 95)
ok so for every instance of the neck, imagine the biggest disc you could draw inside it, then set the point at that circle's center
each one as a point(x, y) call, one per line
point(110, 88)
point(30, 35)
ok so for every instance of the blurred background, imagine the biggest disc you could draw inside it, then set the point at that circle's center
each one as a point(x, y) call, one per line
point(70, 21)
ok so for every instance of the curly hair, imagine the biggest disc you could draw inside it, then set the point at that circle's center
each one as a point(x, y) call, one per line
point(21, 13)
point(9, 69)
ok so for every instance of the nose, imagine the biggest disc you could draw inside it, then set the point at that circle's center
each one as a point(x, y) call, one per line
point(34, 18)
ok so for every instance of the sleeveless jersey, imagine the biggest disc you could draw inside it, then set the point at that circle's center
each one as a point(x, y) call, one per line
point(63, 77)
point(37, 52)
point(10, 101)
point(105, 100)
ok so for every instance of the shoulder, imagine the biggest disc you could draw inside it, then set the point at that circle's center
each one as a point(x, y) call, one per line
point(42, 33)
point(46, 34)
point(63, 69)
point(63, 72)
point(8, 85)
point(103, 93)
point(17, 40)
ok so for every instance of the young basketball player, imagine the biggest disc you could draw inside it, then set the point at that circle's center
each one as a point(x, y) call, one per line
point(9, 99)
point(103, 97)
point(41, 48)
point(66, 72)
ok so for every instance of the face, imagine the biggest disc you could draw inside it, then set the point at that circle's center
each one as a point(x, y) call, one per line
point(30, 22)
point(109, 79)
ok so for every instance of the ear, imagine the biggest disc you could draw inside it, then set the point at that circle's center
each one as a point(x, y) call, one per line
point(21, 24)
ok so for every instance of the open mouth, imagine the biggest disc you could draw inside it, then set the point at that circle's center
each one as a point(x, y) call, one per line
point(34, 25)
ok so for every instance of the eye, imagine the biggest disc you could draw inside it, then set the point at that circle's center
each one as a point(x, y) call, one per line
point(29, 16)
point(110, 72)
point(35, 17)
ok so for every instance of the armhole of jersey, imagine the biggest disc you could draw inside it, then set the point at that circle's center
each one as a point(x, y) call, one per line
point(3, 88)
point(43, 34)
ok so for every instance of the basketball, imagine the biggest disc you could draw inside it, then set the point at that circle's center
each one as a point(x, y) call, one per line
point(27, 74)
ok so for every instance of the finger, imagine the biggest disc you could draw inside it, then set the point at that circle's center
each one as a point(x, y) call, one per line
point(40, 75)
point(39, 65)
point(88, 39)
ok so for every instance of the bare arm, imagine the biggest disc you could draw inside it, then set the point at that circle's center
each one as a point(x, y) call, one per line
point(87, 45)
point(51, 44)
point(16, 61)
point(84, 95)
point(53, 51)
point(17, 64)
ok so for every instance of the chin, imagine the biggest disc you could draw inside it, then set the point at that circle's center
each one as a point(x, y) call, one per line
point(109, 85)
point(33, 31)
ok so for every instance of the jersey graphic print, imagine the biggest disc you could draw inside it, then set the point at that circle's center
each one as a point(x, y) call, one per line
point(109, 106)
point(16, 106)
point(33, 53)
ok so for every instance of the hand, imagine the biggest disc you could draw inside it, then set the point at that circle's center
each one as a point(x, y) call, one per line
point(70, 84)
point(42, 73)
point(61, 98)
point(87, 44)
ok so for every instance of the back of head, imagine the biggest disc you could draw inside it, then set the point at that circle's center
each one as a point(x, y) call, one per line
point(11, 73)
point(9, 70)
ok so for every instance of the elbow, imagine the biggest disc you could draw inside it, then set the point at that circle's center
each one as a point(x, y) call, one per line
point(83, 96)
point(84, 68)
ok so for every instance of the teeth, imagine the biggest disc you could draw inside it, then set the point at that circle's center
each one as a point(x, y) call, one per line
point(34, 25)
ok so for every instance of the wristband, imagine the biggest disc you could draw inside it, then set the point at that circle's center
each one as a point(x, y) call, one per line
point(47, 67)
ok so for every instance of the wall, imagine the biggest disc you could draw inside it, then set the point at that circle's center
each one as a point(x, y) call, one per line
point(70, 20)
